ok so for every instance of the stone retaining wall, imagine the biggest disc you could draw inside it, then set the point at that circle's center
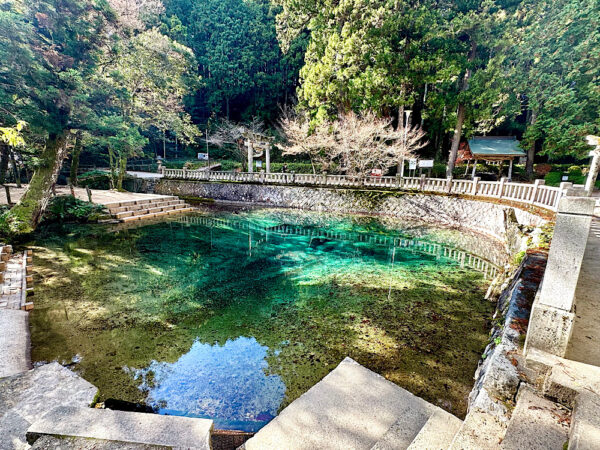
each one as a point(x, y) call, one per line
point(452, 211)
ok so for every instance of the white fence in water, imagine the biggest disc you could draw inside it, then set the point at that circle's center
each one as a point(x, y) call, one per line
point(489, 268)
point(536, 194)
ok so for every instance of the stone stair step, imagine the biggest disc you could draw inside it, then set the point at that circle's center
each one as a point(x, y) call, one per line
point(585, 423)
point(536, 423)
point(479, 430)
point(157, 214)
point(351, 408)
point(145, 206)
point(141, 201)
point(403, 432)
point(123, 426)
point(438, 433)
point(564, 379)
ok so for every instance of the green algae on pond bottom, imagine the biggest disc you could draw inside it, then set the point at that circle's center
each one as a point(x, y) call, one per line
point(234, 315)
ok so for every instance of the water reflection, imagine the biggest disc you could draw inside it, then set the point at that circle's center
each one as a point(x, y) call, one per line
point(226, 383)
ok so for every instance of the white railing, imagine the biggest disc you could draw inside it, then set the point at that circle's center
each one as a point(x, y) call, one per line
point(536, 194)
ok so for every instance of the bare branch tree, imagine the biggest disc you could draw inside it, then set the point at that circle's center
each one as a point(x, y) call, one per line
point(357, 144)
point(316, 142)
point(229, 133)
point(134, 14)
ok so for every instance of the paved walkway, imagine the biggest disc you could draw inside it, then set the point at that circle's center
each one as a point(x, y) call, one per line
point(585, 341)
point(98, 196)
point(11, 289)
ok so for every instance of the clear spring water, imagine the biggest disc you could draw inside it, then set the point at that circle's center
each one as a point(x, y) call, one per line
point(232, 315)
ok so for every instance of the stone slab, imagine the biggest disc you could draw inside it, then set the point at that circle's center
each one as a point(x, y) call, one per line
point(14, 342)
point(577, 205)
point(564, 261)
point(549, 329)
point(564, 379)
point(123, 426)
point(402, 432)
point(536, 424)
point(480, 430)
point(585, 428)
point(70, 443)
point(351, 408)
point(438, 433)
point(28, 396)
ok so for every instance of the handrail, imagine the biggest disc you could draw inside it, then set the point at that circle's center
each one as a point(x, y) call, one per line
point(537, 194)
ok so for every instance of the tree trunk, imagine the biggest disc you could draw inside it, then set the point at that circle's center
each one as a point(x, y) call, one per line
point(16, 170)
point(531, 149)
point(112, 161)
point(460, 119)
point(3, 162)
point(26, 215)
point(460, 116)
point(122, 169)
point(75, 157)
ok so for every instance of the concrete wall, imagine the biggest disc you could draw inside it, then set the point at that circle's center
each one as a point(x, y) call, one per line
point(452, 211)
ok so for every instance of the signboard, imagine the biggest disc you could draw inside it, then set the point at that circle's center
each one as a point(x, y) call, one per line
point(565, 178)
point(412, 164)
point(425, 163)
point(259, 164)
point(376, 172)
point(203, 156)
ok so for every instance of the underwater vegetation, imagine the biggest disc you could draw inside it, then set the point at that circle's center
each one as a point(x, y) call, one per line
point(234, 314)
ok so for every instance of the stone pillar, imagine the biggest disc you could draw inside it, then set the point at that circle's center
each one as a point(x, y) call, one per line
point(510, 167)
point(268, 158)
point(552, 315)
point(594, 166)
point(250, 156)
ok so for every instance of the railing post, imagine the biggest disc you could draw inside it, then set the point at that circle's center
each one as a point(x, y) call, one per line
point(475, 186)
point(422, 183)
point(501, 189)
point(534, 191)
point(449, 184)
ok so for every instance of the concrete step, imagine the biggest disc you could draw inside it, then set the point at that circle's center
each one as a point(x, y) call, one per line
point(438, 433)
point(27, 397)
point(158, 214)
point(150, 210)
point(536, 423)
point(479, 430)
point(351, 408)
point(141, 201)
point(123, 426)
point(585, 423)
point(564, 379)
point(145, 206)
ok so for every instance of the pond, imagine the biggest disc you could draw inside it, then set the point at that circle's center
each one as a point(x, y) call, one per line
point(233, 314)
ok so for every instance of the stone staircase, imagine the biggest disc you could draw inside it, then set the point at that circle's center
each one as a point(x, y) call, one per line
point(157, 206)
point(353, 407)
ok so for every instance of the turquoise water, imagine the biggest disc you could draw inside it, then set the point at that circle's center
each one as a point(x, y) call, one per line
point(232, 315)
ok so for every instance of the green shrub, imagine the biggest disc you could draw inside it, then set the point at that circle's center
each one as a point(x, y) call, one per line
point(574, 171)
point(553, 178)
point(70, 209)
point(95, 179)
